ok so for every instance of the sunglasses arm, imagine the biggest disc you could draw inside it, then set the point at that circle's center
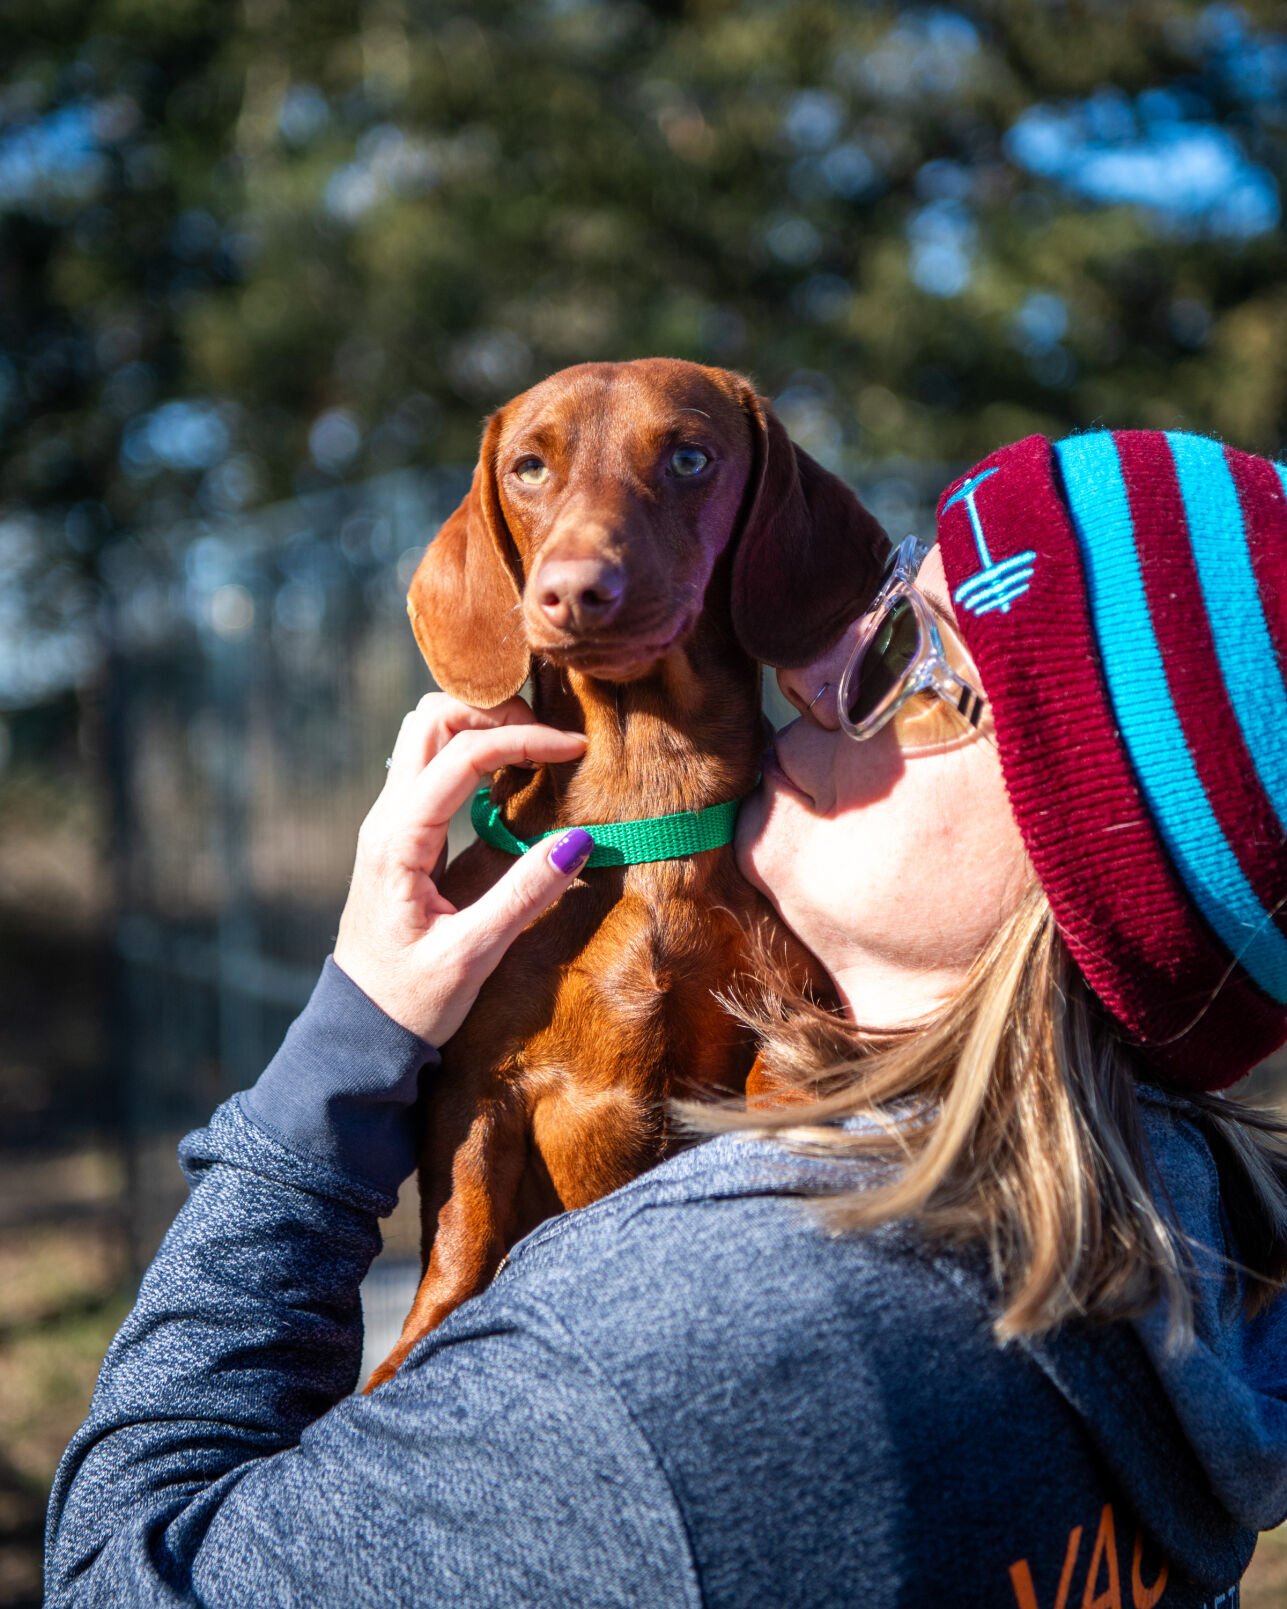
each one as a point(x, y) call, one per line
point(965, 699)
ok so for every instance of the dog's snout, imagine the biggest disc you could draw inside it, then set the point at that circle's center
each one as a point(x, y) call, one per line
point(580, 594)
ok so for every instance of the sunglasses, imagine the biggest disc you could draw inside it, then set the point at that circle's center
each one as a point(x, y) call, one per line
point(901, 669)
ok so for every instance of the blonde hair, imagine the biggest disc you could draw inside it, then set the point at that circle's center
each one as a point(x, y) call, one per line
point(1010, 1117)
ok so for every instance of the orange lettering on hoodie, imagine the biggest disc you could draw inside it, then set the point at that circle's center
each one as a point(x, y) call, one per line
point(1105, 1552)
point(1025, 1592)
point(1143, 1597)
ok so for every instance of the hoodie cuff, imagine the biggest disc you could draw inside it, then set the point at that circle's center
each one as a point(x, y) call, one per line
point(343, 1086)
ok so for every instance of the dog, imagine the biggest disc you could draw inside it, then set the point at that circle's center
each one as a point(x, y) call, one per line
point(637, 537)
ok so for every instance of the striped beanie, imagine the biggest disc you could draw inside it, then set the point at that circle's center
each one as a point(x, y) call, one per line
point(1124, 595)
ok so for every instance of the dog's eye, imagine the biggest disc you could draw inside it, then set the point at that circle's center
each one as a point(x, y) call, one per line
point(688, 461)
point(532, 472)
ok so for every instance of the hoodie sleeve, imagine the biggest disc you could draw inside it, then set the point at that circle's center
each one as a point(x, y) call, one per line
point(341, 1089)
point(224, 1460)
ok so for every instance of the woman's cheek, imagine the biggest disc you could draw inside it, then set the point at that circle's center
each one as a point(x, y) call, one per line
point(772, 847)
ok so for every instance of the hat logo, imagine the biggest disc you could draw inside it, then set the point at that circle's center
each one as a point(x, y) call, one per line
point(996, 586)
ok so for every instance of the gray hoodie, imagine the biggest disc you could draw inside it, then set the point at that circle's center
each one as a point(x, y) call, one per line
point(685, 1394)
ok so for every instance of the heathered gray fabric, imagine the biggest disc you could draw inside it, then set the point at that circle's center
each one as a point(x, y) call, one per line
point(685, 1394)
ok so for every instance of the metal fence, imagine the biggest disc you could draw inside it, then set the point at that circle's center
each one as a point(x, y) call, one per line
point(257, 673)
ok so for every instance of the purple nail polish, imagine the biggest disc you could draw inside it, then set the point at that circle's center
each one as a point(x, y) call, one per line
point(571, 850)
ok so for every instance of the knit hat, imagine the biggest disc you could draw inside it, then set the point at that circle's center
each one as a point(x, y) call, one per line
point(1124, 595)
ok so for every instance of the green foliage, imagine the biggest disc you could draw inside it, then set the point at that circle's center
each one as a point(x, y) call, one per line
point(390, 217)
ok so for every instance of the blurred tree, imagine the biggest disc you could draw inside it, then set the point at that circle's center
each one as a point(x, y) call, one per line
point(248, 247)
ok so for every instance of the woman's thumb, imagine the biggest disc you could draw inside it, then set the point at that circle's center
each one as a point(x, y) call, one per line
point(534, 883)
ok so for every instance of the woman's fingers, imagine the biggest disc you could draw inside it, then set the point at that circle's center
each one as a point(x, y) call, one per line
point(452, 777)
point(535, 880)
point(426, 973)
point(436, 719)
point(419, 958)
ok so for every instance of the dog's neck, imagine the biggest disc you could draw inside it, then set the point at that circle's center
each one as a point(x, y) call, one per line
point(686, 735)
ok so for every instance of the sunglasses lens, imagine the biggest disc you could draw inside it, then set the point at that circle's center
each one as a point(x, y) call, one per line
point(893, 647)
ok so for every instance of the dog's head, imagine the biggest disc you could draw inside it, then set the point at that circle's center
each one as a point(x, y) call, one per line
point(601, 501)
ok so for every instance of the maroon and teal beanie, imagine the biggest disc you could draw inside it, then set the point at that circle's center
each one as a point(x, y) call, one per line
point(1124, 595)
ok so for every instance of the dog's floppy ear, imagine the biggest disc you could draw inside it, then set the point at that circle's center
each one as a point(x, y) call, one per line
point(809, 555)
point(465, 597)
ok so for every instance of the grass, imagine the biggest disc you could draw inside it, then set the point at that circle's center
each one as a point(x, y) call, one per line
point(64, 1303)
point(1265, 1584)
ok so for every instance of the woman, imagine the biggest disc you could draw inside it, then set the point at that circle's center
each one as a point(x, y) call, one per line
point(1037, 841)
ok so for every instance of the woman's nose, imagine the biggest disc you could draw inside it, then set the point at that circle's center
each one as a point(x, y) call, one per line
point(813, 688)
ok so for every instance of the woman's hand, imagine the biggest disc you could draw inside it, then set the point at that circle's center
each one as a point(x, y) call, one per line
point(409, 949)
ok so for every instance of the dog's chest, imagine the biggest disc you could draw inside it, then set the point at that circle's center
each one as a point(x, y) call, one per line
point(654, 965)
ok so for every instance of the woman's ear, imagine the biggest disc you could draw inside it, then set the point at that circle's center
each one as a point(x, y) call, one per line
point(808, 555)
point(465, 599)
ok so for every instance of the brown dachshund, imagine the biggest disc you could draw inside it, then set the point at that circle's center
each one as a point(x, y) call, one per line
point(637, 536)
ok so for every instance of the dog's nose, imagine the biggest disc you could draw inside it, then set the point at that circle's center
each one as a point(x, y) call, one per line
point(580, 594)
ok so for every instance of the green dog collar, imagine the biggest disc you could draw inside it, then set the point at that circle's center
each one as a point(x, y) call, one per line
point(621, 843)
